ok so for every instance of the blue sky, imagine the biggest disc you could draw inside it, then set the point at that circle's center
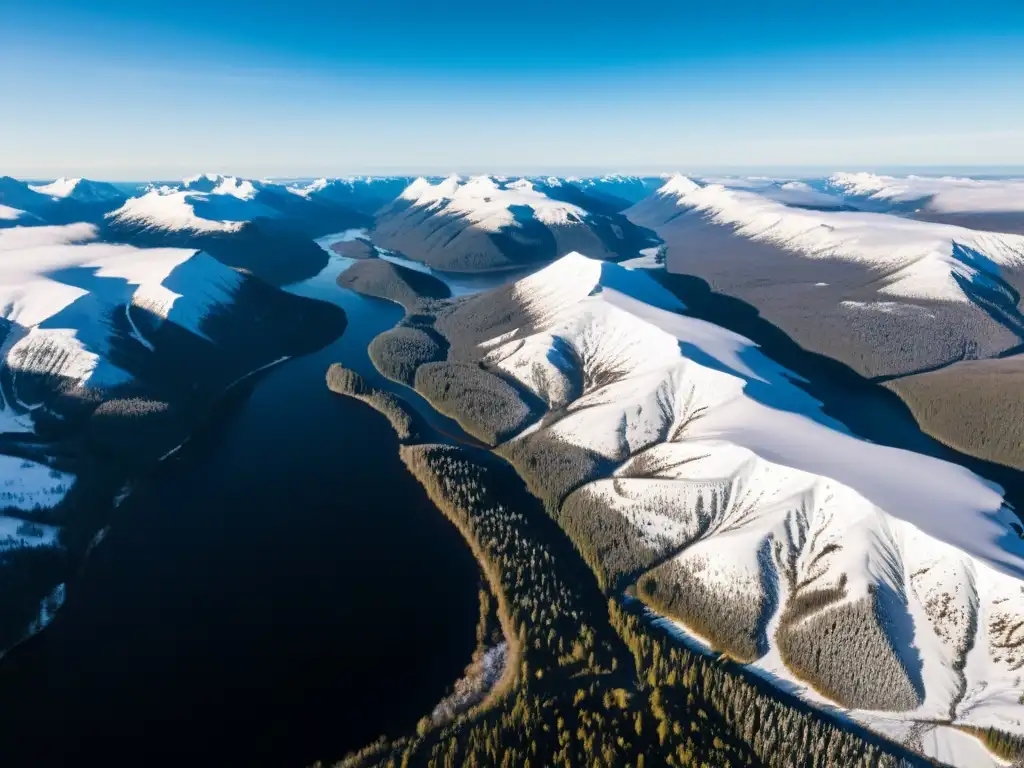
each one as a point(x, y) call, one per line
point(125, 89)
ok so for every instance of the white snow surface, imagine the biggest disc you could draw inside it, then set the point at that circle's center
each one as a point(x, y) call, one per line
point(166, 208)
point(82, 190)
point(59, 288)
point(696, 416)
point(946, 194)
point(28, 485)
point(319, 185)
point(207, 203)
point(790, 192)
point(922, 260)
point(488, 203)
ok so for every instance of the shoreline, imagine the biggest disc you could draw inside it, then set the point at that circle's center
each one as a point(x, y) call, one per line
point(444, 505)
point(126, 492)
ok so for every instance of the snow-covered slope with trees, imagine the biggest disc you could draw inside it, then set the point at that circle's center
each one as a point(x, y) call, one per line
point(893, 297)
point(919, 260)
point(260, 227)
point(883, 583)
point(814, 272)
point(110, 355)
point(488, 223)
point(59, 292)
point(211, 203)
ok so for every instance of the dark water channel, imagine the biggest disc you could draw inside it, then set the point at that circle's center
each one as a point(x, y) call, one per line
point(281, 590)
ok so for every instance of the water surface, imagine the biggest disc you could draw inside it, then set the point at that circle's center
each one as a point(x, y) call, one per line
point(280, 590)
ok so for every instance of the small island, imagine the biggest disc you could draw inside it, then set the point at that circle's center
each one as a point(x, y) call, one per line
point(355, 249)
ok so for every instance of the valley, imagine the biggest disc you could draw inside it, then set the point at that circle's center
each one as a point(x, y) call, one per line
point(429, 385)
point(633, 525)
point(647, 493)
point(242, 580)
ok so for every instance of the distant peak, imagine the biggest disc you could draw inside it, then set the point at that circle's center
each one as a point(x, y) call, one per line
point(82, 190)
point(415, 189)
point(679, 185)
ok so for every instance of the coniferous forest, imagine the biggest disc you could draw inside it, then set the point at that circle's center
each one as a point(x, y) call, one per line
point(589, 678)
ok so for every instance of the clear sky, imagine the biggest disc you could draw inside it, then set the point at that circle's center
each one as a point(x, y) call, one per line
point(136, 89)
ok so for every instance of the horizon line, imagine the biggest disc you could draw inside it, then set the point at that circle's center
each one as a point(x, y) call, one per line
point(583, 172)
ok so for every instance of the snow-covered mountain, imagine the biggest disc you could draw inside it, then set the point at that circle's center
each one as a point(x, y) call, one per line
point(211, 203)
point(995, 205)
point(893, 297)
point(19, 196)
point(82, 190)
point(60, 289)
point(63, 201)
point(367, 194)
point(110, 355)
point(486, 223)
point(795, 193)
point(846, 274)
point(616, 190)
point(946, 194)
point(224, 208)
point(257, 226)
point(878, 582)
point(920, 260)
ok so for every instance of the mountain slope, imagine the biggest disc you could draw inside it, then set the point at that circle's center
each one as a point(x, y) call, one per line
point(616, 191)
point(366, 194)
point(13, 217)
point(995, 205)
point(80, 190)
point(109, 356)
point(487, 223)
point(840, 282)
point(20, 196)
point(679, 457)
point(64, 201)
point(889, 296)
point(258, 227)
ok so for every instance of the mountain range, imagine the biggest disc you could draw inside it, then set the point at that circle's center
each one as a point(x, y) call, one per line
point(696, 473)
point(899, 299)
point(691, 469)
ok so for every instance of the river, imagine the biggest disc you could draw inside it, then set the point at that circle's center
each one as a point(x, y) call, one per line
point(280, 590)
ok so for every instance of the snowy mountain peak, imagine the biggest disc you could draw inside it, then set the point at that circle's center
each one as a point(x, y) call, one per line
point(81, 190)
point(317, 185)
point(204, 182)
point(922, 260)
point(729, 486)
point(243, 189)
point(490, 203)
point(678, 185)
point(171, 209)
point(574, 276)
point(415, 190)
point(857, 184)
